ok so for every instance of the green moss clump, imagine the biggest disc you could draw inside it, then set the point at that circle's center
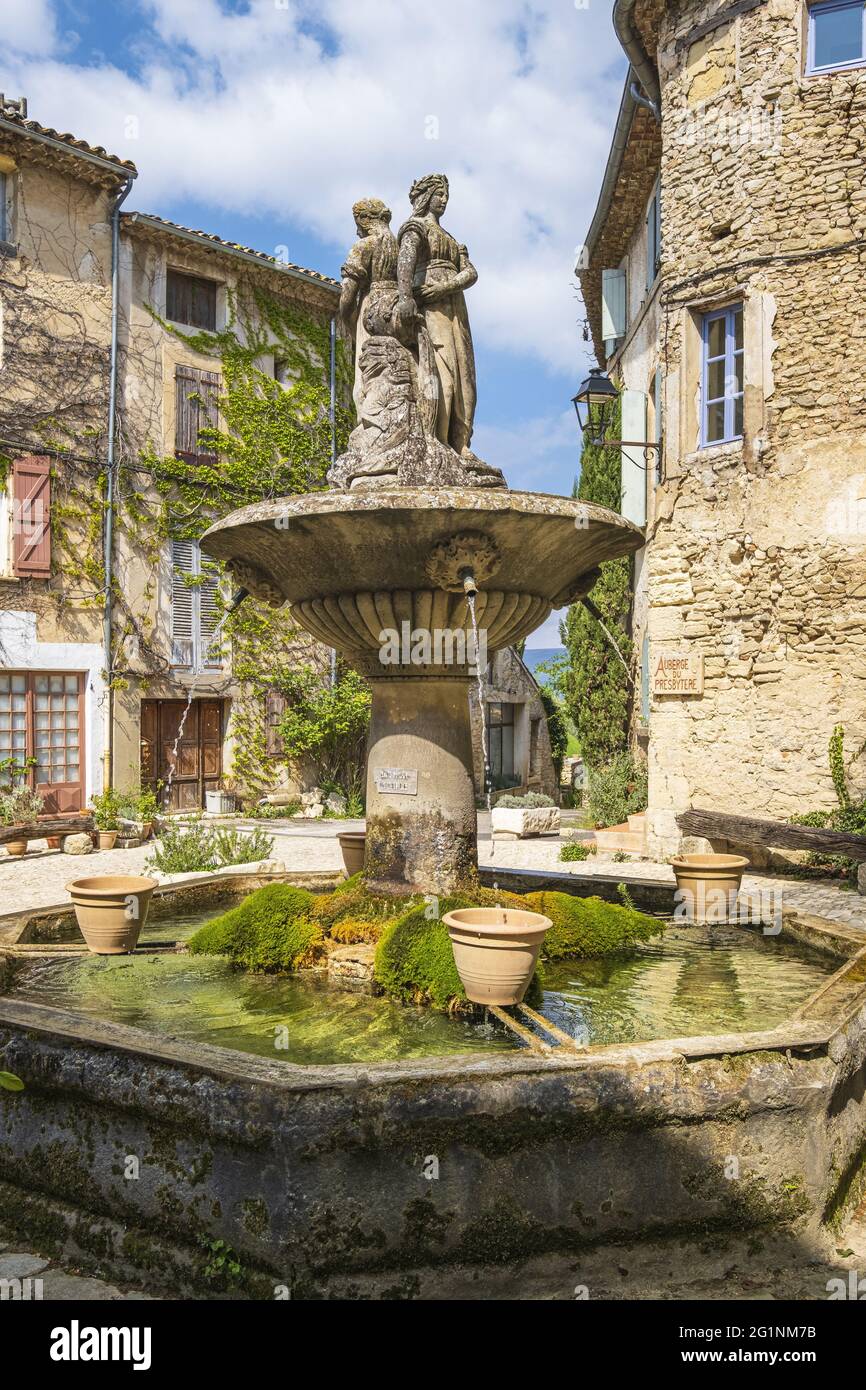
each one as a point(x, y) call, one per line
point(589, 926)
point(354, 901)
point(269, 930)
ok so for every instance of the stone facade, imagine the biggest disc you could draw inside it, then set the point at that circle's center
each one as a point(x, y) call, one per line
point(509, 683)
point(755, 557)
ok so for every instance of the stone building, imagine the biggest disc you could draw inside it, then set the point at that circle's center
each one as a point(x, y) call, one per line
point(515, 729)
point(87, 690)
point(724, 275)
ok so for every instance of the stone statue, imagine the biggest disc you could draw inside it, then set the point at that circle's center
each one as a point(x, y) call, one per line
point(433, 270)
point(414, 386)
point(369, 277)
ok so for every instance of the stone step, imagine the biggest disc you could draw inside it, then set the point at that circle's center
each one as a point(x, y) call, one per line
point(621, 837)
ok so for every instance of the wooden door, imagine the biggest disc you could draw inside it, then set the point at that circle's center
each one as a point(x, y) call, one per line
point(197, 739)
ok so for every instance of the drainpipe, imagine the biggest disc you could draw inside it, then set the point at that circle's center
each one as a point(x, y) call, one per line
point(636, 93)
point(643, 64)
point(333, 380)
point(108, 537)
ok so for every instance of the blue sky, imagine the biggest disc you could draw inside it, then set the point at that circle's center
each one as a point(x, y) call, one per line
point(263, 120)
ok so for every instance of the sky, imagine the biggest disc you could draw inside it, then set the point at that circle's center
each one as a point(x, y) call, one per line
point(264, 120)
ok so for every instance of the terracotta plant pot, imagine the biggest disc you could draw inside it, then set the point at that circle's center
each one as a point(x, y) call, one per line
point(16, 848)
point(353, 844)
point(111, 910)
point(54, 841)
point(106, 838)
point(495, 951)
point(708, 885)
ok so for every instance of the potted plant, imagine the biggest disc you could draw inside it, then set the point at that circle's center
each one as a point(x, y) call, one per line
point(496, 951)
point(146, 810)
point(524, 816)
point(106, 807)
point(708, 885)
point(20, 806)
point(111, 910)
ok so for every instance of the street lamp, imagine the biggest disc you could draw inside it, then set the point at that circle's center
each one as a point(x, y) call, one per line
point(594, 406)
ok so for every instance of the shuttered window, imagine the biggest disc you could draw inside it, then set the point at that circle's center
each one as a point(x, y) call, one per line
point(613, 305)
point(196, 395)
point(194, 612)
point(275, 708)
point(31, 517)
point(191, 299)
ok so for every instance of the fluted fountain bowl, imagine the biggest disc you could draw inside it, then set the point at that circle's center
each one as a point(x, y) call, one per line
point(361, 568)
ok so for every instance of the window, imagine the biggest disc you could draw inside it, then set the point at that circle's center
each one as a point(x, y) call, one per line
point(4, 216)
point(42, 735)
point(500, 744)
point(196, 397)
point(194, 585)
point(191, 300)
point(275, 707)
point(837, 35)
point(653, 238)
point(722, 388)
point(614, 307)
point(31, 517)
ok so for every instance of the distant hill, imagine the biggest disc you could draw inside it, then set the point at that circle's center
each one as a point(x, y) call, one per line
point(534, 656)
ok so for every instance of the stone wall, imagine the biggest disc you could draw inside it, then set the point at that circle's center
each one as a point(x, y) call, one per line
point(756, 558)
point(509, 681)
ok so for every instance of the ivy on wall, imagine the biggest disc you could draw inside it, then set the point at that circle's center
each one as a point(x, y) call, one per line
point(598, 694)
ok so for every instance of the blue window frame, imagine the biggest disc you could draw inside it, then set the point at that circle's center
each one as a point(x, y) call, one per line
point(837, 35)
point(722, 376)
point(653, 237)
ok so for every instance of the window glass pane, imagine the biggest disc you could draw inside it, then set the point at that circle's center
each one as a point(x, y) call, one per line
point(716, 380)
point(838, 36)
point(738, 330)
point(736, 388)
point(18, 682)
point(738, 415)
point(716, 338)
point(716, 422)
point(72, 685)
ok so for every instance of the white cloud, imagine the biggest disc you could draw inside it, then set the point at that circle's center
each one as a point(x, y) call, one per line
point(532, 452)
point(27, 27)
point(295, 112)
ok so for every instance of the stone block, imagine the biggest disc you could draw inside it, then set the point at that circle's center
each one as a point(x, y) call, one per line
point(78, 844)
point(525, 821)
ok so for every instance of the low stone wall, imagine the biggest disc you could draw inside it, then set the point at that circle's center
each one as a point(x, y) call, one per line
point(138, 1153)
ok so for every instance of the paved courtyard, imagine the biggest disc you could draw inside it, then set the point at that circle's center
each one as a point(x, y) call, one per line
point(40, 878)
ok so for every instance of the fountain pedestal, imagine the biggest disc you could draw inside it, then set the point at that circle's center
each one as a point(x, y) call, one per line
point(421, 819)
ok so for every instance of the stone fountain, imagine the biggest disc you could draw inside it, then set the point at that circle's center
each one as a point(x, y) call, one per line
point(414, 533)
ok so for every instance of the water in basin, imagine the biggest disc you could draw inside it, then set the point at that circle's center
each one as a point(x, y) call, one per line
point(693, 981)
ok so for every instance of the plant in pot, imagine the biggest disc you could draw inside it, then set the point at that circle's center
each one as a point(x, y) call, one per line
point(106, 807)
point(20, 806)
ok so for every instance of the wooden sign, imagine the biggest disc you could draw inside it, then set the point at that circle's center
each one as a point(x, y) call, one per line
point(677, 673)
point(396, 781)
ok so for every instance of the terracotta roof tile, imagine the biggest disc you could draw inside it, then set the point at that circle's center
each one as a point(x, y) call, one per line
point(28, 127)
point(219, 243)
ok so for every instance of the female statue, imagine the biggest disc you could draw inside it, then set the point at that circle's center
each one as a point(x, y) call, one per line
point(433, 270)
point(369, 280)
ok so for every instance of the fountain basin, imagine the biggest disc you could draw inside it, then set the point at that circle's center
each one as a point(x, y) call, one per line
point(387, 578)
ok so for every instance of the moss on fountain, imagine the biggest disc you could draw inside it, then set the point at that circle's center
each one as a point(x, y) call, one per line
point(281, 928)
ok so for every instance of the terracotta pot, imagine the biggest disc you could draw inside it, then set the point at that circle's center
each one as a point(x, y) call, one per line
point(54, 841)
point(353, 844)
point(496, 951)
point(111, 910)
point(106, 838)
point(708, 885)
point(16, 848)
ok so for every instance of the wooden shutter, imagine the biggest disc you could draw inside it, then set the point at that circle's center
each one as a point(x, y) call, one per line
point(190, 299)
point(275, 707)
point(31, 517)
point(183, 603)
point(634, 467)
point(613, 304)
point(196, 395)
point(208, 615)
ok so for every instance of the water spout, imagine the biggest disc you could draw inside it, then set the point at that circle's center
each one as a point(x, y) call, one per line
point(470, 588)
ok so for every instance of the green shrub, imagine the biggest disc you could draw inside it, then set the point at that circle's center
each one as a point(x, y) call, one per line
point(269, 930)
point(574, 850)
point(617, 790)
point(239, 847)
point(589, 926)
point(185, 847)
